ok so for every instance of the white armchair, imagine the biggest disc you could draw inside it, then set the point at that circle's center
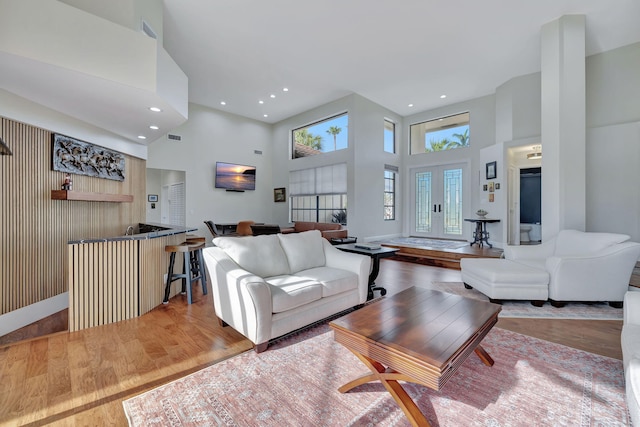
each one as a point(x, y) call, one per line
point(582, 266)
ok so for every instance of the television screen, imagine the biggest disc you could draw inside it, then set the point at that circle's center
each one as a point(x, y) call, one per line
point(231, 176)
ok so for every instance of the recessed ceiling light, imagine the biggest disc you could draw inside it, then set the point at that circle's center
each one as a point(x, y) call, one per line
point(223, 103)
point(155, 109)
point(285, 89)
point(272, 96)
point(261, 102)
point(410, 105)
point(154, 127)
point(265, 115)
point(443, 96)
point(142, 137)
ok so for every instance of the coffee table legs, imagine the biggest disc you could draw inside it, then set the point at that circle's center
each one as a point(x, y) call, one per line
point(389, 379)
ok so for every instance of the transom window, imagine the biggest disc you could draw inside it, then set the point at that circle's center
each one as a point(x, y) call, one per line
point(321, 137)
point(445, 133)
point(389, 136)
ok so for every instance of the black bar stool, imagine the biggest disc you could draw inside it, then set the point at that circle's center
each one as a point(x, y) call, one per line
point(192, 270)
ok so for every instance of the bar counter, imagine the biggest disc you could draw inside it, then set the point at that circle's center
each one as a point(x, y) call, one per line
point(119, 278)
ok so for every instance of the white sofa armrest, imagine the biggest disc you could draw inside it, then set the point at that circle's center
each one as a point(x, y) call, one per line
point(631, 308)
point(240, 298)
point(596, 277)
point(541, 251)
point(359, 264)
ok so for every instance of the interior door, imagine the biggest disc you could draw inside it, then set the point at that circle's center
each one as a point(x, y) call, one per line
point(437, 194)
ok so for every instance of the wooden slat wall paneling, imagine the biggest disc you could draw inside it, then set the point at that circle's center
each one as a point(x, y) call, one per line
point(34, 230)
point(104, 285)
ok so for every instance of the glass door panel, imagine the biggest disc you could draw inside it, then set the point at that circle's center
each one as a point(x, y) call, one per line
point(438, 195)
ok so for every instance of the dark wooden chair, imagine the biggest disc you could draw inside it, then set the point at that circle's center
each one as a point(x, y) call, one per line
point(212, 228)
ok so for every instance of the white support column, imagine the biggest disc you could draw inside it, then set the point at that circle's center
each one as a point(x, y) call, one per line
point(563, 125)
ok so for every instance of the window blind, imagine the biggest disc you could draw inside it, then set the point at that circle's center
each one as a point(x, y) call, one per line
point(330, 179)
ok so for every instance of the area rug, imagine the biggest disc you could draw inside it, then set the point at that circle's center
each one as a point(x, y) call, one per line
point(295, 382)
point(422, 242)
point(524, 309)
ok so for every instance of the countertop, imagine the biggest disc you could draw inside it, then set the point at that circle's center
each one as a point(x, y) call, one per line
point(140, 233)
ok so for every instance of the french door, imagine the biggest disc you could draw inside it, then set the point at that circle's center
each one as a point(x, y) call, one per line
point(437, 194)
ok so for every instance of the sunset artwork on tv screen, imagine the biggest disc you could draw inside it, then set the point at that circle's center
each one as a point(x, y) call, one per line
point(235, 177)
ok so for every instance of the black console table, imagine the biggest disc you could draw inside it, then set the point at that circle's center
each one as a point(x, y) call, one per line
point(375, 254)
point(480, 234)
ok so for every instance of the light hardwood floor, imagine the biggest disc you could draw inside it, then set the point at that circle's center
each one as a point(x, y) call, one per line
point(81, 378)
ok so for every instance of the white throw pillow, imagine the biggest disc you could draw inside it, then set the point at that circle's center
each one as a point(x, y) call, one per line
point(260, 255)
point(304, 250)
point(574, 242)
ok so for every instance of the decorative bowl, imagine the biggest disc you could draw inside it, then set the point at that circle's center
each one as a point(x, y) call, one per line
point(481, 213)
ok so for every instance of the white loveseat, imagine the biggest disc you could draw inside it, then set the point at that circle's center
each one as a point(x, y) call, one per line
point(266, 286)
point(573, 266)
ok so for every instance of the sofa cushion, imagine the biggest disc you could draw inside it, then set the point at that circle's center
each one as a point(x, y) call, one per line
point(303, 250)
point(260, 255)
point(574, 242)
point(288, 292)
point(333, 280)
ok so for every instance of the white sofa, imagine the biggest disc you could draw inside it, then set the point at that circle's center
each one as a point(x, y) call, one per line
point(630, 341)
point(574, 266)
point(266, 286)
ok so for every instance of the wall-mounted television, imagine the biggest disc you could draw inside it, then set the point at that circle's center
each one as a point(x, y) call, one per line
point(234, 177)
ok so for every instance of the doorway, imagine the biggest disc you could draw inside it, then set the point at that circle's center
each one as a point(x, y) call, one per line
point(531, 203)
point(170, 187)
point(437, 200)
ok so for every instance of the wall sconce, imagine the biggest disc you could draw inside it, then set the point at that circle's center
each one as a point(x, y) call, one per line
point(4, 149)
point(536, 154)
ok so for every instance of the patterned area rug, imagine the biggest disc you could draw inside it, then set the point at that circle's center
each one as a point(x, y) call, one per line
point(295, 382)
point(422, 242)
point(595, 311)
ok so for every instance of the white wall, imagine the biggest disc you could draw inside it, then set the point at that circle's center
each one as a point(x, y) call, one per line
point(22, 110)
point(128, 13)
point(613, 141)
point(365, 160)
point(502, 121)
point(481, 135)
point(209, 136)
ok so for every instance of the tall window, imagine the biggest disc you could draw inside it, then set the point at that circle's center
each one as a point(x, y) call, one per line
point(445, 133)
point(321, 137)
point(389, 136)
point(319, 194)
point(389, 195)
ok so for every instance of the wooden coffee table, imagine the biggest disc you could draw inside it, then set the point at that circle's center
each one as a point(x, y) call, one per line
point(418, 335)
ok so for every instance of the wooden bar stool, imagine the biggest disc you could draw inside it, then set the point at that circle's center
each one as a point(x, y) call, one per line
point(193, 268)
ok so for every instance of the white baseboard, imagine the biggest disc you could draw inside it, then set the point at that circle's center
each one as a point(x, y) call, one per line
point(381, 237)
point(24, 316)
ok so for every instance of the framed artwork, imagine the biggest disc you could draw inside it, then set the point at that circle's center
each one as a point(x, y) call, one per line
point(152, 198)
point(491, 170)
point(491, 187)
point(83, 158)
point(491, 197)
point(497, 185)
point(279, 194)
point(484, 187)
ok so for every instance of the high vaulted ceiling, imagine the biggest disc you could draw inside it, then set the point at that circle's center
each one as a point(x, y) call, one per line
point(394, 53)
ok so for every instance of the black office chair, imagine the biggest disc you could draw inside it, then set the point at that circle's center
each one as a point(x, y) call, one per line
point(212, 228)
